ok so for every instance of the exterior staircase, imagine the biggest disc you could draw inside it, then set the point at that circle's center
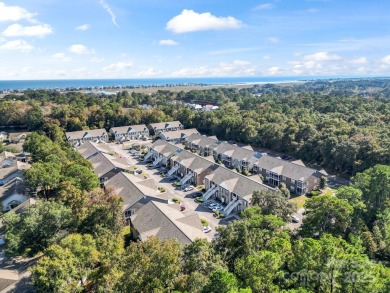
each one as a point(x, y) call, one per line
point(157, 161)
point(185, 179)
point(210, 192)
point(231, 206)
point(173, 170)
point(148, 155)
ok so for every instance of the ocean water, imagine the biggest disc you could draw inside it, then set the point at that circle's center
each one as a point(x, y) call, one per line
point(85, 83)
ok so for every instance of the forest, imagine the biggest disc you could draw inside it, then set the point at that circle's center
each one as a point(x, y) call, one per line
point(341, 125)
point(78, 232)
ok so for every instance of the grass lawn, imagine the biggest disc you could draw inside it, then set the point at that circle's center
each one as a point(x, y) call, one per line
point(299, 200)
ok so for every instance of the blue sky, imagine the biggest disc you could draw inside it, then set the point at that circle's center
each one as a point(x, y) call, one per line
point(41, 39)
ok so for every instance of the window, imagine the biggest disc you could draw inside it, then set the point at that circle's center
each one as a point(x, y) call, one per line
point(292, 181)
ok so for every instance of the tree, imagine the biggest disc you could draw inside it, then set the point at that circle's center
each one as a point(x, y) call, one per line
point(375, 185)
point(273, 203)
point(43, 177)
point(260, 271)
point(37, 228)
point(82, 177)
point(284, 190)
point(253, 233)
point(323, 182)
point(66, 266)
point(326, 214)
point(34, 118)
point(221, 281)
point(151, 266)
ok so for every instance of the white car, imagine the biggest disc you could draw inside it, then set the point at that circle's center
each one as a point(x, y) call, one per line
point(189, 188)
point(206, 229)
point(295, 219)
point(218, 209)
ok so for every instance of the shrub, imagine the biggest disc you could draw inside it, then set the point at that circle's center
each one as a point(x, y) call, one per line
point(162, 189)
point(175, 200)
point(141, 159)
point(221, 215)
point(163, 175)
point(199, 199)
point(315, 192)
point(204, 222)
point(135, 167)
point(177, 184)
point(238, 170)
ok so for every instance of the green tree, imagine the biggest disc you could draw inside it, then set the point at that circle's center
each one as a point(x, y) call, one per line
point(326, 214)
point(151, 266)
point(273, 203)
point(37, 228)
point(66, 266)
point(221, 281)
point(43, 178)
point(323, 182)
point(82, 177)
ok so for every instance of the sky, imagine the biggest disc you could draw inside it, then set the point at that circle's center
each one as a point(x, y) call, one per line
point(88, 39)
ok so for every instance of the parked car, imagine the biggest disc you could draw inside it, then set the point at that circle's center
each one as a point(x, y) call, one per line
point(206, 229)
point(295, 219)
point(182, 208)
point(189, 188)
point(138, 171)
point(217, 209)
point(196, 194)
point(287, 158)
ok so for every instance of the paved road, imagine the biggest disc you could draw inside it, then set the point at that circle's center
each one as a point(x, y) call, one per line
point(299, 215)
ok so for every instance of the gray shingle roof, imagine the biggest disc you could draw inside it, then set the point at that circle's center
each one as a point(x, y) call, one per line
point(130, 128)
point(167, 222)
point(163, 125)
point(163, 147)
point(179, 134)
point(194, 162)
point(15, 186)
point(202, 140)
point(289, 169)
point(103, 163)
point(85, 133)
point(131, 188)
point(8, 167)
point(235, 151)
point(236, 183)
point(8, 278)
point(89, 148)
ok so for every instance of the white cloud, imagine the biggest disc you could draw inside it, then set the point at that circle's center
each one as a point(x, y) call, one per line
point(322, 57)
point(168, 43)
point(80, 49)
point(120, 66)
point(274, 70)
point(17, 45)
point(359, 61)
point(14, 13)
point(386, 60)
point(83, 27)
point(264, 6)
point(17, 30)
point(150, 72)
point(62, 57)
point(108, 9)
point(191, 21)
point(97, 60)
point(266, 57)
point(273, 40)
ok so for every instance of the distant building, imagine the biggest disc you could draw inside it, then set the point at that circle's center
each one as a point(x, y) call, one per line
point(157, 128)
point(17, 137)
point(81, 136)
point(129, 132)
point(178, 136)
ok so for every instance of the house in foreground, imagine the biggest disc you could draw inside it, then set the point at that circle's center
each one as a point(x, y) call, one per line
point(178, 136)
point(11, 168)
point(96, 135)
point(89, 149)
point(166, 221)
point(13, 193)
point(135, 191)
point(157, 128)
point(107, 166)
point(129, 132)
point(232, 188)
point(192, 168)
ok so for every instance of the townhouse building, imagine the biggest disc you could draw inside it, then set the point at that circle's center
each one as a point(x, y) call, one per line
point(178, 136)
point(131, 132)
point(160, 152)
point(201, 144)
point(78, 137)
point(157, 128)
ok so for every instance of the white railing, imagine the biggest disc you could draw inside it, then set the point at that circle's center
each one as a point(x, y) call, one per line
point(173, 170)
point(231, 206)
point(185, 179)
point(148, 155)
point(210, 192)
point(157, 161)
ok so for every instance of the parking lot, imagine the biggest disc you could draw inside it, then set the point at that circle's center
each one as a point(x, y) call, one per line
point(186, 197)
